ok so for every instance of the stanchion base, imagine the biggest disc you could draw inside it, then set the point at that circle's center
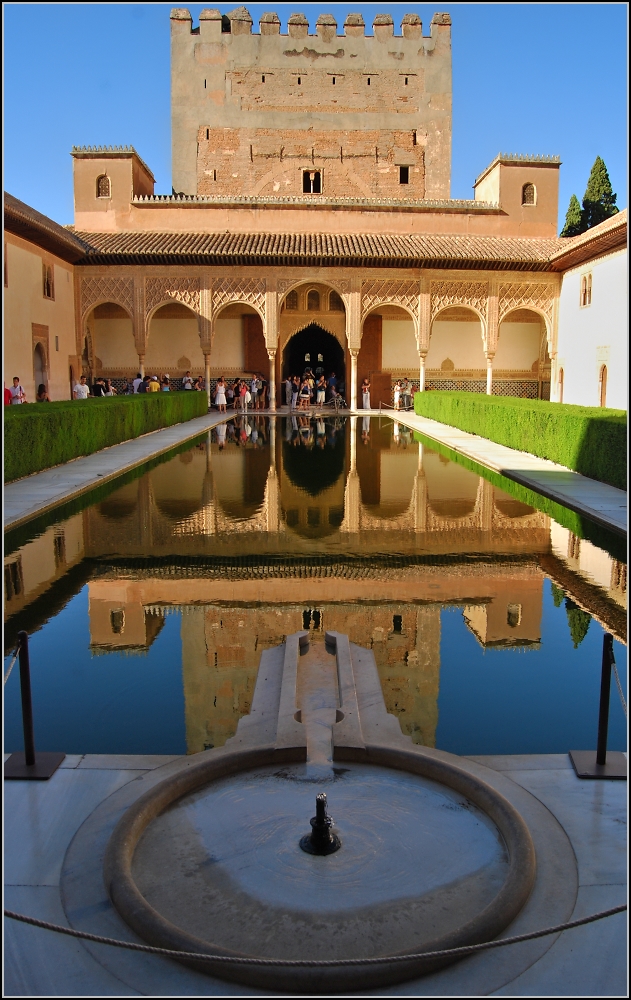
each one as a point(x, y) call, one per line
point(584, 762)
point(44, 767)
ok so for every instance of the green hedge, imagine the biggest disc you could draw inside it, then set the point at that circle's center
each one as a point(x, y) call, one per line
point(588, 439)
point(40, 435)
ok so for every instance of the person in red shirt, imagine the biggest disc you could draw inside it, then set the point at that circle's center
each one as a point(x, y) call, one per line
point(7, 395)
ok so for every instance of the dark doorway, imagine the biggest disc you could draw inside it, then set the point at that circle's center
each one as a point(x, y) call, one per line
point(314, 348)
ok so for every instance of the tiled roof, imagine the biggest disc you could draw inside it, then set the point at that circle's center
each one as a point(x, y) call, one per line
point(24, 221)
point(492, 252)
point(608, 236)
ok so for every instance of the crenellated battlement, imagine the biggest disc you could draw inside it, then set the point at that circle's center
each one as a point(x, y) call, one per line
point(239, 22)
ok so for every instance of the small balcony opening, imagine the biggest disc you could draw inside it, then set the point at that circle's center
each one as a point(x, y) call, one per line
point(311, 182)
point(404, 175)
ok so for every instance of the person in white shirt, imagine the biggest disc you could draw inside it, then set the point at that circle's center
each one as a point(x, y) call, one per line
point(17, 392)
point(81, 390)
point(187, 381)
point(137, 382)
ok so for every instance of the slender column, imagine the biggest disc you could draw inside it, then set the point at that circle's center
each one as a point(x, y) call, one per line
point(139, 321)
point(492, 332)
point(141, 364)
point(489, 374)
point(207, 377)
point(272, 380)
point(354, 352)
point(353, 444)
point(421, 383)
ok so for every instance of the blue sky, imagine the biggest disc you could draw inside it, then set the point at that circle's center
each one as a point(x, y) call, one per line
point(527, 78)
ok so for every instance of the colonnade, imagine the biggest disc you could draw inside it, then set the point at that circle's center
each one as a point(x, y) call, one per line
point(208, 291)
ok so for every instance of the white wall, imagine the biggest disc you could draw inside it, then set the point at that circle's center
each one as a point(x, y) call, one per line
point(114, 343)
point(460, 342)
point(228, 352)
point(593, 335)
point(398, 345)
point(517, 346)
point(168, 341)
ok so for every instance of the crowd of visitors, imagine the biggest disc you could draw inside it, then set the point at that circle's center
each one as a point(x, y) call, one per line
point(310, 389)
point(242, 394)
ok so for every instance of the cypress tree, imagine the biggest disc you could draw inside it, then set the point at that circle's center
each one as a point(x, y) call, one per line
point(574, 224)
point(578, 620)
point(599, 201)
point(557, 594)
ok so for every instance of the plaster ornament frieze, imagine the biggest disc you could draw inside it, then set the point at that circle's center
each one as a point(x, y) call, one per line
point(399, 293)
point(522, 295)
point(161, 290)
point(341, 285)
point(105, 288)
point(445, 294)
point(249, 290)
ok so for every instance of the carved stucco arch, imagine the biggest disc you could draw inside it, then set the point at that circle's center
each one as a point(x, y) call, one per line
point(238, 291)
point(462, 305)
point(105, 300)
point(538, 297)
point(404, 293)
point(303, 326)
point(399, 305)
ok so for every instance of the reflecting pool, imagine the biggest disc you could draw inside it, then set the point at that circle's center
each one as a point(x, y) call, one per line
point(148, 608)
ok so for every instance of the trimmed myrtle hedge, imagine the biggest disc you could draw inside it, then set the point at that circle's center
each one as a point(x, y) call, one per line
point(588, 439)
point(40, 435)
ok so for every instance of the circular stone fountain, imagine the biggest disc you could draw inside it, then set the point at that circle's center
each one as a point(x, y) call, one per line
point(210, 859)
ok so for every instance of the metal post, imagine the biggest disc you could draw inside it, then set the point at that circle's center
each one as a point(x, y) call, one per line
point(24, 766)
point(601, 764)
point(27, 704)
point(605, 687)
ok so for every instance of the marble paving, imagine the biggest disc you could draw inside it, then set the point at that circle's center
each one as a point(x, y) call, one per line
point(43, 817)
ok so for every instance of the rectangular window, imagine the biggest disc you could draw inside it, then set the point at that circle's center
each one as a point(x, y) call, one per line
point(404, 175)
point(56, 343)
point(586, 290)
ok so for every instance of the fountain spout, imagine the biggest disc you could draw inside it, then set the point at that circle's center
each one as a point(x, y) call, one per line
point(321, 840)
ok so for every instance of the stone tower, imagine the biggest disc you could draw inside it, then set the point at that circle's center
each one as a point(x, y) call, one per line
point(269, 115)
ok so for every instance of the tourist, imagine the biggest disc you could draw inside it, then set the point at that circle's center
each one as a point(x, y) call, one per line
point(397, 396)
point(230, 395)
point(166, 385)
point(220, 395)
point(136, 383)
point(109, 388)
point(331, 384)
point(220, 431)
point(366, 394)
point(144, 384)
point(126, 389)
point(98, 389)
point(81, 389)
point(288, 391)
point(243, 395)
point(237, 394)
point(263, 393)
point(366, 430)
point(187, 382)
point(42, 394)
point(295, 389)
point(406, 398)
point(17, 392)
point(305, 395)
point(152, 384)
point(7, 395)
point(321, 391)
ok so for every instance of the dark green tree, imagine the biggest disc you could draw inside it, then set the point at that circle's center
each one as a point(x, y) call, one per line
point(578, 620)
point(599, 201)
point(557, 594)
point(574, 219)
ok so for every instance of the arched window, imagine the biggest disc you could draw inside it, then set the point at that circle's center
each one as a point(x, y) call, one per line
point(586, 290)
point(335, 303)
point(589, 290)
point(602, 386)
point(513, 615)
point(561, 376)
point(49, 285)
point(39, 367)
point(311, 182)
point(313, 300)
point(103, 187)
point(528, 194)
point(291, 302)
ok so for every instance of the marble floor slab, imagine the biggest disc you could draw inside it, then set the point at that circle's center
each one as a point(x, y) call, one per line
point(42, 818)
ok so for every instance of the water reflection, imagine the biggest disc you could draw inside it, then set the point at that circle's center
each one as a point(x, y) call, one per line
point(271, 525)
